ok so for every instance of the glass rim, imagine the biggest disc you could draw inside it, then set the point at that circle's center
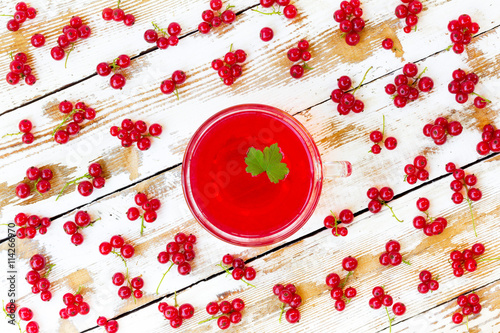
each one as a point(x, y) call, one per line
point(294, 225)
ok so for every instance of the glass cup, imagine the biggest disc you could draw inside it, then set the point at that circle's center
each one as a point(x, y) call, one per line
point(210, 201)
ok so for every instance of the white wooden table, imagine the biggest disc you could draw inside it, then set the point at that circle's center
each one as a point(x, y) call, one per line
point(308, 256)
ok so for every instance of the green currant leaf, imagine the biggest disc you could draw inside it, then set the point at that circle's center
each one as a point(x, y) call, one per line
point(268, 161)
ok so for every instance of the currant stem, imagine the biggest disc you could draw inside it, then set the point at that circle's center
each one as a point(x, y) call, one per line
point(488, 259)
point(282, 310)
point(228, 273)
point(48, 271)
point(487, 100)
point(211, 318)
point(6, 15)
point(168, 270)
point(406, 262)
point(142, 224)
point(67, 55)
point(159, 29)
point(11, 134)
point(123, 259)
point(472, 214)
point(176, 92)
point(418, 77)
point(274, 12)
point(306, 66)
point(346, 278)
point(467, 322)
point(390, 320)
point(35, 186)
point(65, 120)
point(118, 4)
point(175, 298)
point(88, 176)
point(392, 211)
point(363, 80)
point(79, 290)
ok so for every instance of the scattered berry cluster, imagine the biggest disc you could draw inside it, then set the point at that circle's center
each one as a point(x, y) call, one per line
point(38, 281)
point(299, 53)
point(212, 18)
point(381, 298)
point(19, 69)
point(333, 281)
point(463, 181)
point(469, 304)
point(346, 102)
point(464, 84)
point(75, 116)
point(22, 13)
point(111, 326)
point(76, 29)
point(132, 288)
point(180, 252)
point(440, 130)
point(377, 137)
point(82, 220)
point(350, 21)
point(228, 69)
point(288, 295)
point(240, 270)
point(25, 127)
point(74, 305)
point(392, 256)
point(379, 199)
point(416, 170)
point(490, 140)
point(131, 132)
point(170, 85)
point(26, 314)
point(331, 222)
point(176, 314)
point(28, 225)
point(40, 177)
point(86, 187)
point(117, 242)
point(149, 206)
point(117, 80)
point(403, 90)
point(436, 225)
point(117, 14)
point(167, 38)
point(466, 258)
point(409, 13)
point(289, 11)
point(231, 312)
point(427, 283)
point(461, 32)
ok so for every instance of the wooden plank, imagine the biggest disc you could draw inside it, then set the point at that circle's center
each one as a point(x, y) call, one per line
point(306, 264)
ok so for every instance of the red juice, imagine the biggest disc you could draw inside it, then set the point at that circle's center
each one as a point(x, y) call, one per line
point(234, 201)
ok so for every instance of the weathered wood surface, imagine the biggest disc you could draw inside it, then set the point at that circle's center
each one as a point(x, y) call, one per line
point(265, 80)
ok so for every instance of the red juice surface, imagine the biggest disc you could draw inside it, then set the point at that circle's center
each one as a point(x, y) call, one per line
point(232, 199)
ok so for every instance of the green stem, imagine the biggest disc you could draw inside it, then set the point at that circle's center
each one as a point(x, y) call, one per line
point(6, 15)
point(472, 214)
point(406, 262)
point(66, 119)
point(36, 188)
point(168, 270)
point(142, 225)
point(67, 55)
point(467, 322)
point(50, 269)
point(157, 28)
point(11, 134)
point(176, 92)
point(274, 12)
point(306, 66)
point(88, 176)
point(487, 100)
point(392, 211)
point(488, 259)
point(364, 77)
point(118, 5)
point(282, 310)
point(383, 125)
point(418, 77)
point(79, 290)
point(346, 278)
point(390, 320)
point(123, 259)
point(211, 318)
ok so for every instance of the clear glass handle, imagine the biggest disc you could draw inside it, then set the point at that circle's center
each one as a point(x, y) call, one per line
point(337, 169)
